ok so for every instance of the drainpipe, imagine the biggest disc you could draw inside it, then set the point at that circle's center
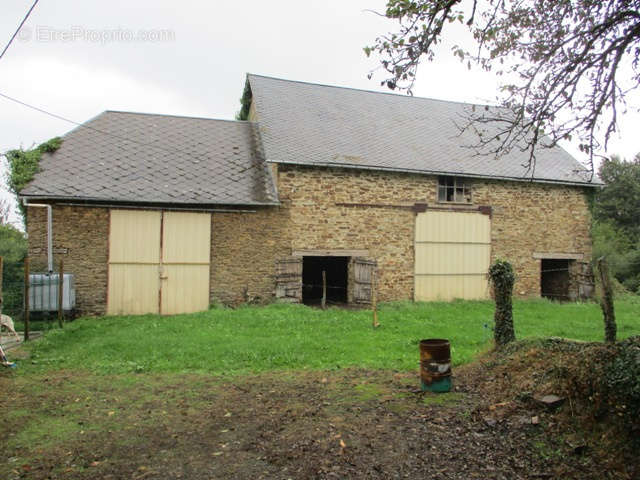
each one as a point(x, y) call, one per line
point(49, 230)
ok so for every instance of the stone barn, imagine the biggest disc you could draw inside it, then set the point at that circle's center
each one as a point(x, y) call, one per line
point(167, 214)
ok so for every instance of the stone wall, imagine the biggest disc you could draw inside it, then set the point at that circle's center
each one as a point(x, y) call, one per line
point(362, 209)
point(244, 249)
point(379, 217)
point(528, 218)
point(331, 208)
point(81, 239)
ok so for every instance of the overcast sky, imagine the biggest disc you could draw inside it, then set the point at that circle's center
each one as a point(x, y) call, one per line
point(79, 58)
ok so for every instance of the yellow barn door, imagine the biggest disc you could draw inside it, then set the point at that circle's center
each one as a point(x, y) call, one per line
point(452, 255)
point(134, 260)
point(158, 262)
point(186, 249)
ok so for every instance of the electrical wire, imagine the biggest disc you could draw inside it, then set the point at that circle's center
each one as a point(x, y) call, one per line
point(103, 132)
point(18, 29)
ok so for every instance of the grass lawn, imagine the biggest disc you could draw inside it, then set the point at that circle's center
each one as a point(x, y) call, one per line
point(176, 397)
point(292, 337)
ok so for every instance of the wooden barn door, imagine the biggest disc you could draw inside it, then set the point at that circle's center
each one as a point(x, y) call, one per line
point(452, 255)
point(158, 262)
point(134, 261)
point(186, 250)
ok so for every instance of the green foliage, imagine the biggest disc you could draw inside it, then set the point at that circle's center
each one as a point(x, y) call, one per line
point(13, 245)
point(628, 272)
point(13, 249)
point(608, 376)
point(616, 226)
point(24, 164)
point(610, 242)
point(619, 201)
point(290, 337)
point(245, 101)
point(503, 278)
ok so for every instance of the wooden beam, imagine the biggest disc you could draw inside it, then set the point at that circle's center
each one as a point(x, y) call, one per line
point(557, 256)
point(26, 298)
point(404, 206)
point(374, 298)
point(60, 293)
point(606, 302)
point(453, 207)
point(330, 253)
point(324, 290)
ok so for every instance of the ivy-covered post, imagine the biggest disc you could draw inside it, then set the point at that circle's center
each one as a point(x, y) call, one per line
point(502, 277)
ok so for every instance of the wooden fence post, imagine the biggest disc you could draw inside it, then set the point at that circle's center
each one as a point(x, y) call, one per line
point(60, 293)
point(324, 290)
point(374, 298)
point(26, 298)
point(606, 303)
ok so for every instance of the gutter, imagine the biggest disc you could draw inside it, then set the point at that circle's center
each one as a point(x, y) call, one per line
point(159, 207)
point(95, 201)
point(127, 206)
point(49, 230)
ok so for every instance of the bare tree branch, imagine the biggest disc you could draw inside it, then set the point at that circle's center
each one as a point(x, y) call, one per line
point(564, 57)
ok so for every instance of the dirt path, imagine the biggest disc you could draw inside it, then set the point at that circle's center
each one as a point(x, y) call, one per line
point(297, 425)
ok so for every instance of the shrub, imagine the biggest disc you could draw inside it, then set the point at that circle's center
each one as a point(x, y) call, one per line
point(621, 381)
point(13, 248)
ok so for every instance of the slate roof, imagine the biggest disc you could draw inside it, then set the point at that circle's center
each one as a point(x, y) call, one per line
point(157, 159)
point(310, 124)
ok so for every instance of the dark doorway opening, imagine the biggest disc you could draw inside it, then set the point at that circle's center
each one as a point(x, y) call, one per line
point(554, 279)
point(336, 269)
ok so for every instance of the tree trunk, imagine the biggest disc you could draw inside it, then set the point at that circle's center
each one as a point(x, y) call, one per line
point(606, 302)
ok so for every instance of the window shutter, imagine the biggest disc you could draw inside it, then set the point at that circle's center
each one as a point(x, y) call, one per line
point(289, 279)
point(363, 272)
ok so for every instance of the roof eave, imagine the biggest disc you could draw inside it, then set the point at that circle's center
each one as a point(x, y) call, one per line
point(98, 200)
point(437, 172)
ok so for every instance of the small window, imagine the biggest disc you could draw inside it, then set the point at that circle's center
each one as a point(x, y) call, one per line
point(454, 190)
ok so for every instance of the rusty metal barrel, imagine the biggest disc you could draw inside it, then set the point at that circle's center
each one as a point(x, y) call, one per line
point(435, 365)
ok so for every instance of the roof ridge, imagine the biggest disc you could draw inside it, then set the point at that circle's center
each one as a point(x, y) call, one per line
point(168, 115)
point(397, 95)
